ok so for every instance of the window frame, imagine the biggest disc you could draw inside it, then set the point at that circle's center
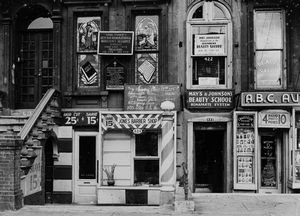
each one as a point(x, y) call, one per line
point(209, 20)
point(283, 50)
point(158, 157)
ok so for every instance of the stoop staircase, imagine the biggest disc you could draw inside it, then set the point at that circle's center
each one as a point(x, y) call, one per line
point(12, 121)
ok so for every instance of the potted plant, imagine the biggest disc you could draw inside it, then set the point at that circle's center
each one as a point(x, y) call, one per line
point(110, 172)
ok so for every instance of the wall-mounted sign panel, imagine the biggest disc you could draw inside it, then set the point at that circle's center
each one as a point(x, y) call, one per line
point(80, 118)
point(270, 99)
point(115, 76)
point(115, 43)
point(149, 97)
point(203, 99)
point(209, 45)
point(274, 119)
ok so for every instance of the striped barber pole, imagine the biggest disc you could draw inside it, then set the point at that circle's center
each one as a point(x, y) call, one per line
point(167, 153)
point(130, 121)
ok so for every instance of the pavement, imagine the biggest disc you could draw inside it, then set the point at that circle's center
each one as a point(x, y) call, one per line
point(205, 204)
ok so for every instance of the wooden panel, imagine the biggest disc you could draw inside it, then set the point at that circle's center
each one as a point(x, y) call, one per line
point(62, 185)
point(153, 197)
point(116, 145)
point(108, 196)
point(115, 135)
point(62, 172)
point(65, 145)
point(62, 197)
point(121, 173)
point(64, 159)
point(64, 132)
point(117, 158)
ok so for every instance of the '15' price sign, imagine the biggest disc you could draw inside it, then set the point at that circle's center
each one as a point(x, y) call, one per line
point(81, 118)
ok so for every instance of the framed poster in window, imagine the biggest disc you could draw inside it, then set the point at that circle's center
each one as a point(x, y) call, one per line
point(245, 148)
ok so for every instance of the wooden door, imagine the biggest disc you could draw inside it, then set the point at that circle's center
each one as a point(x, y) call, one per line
point(35, 74)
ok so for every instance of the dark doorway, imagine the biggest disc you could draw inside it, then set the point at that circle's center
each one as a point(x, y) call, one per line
point(209, 162)
point(49, 171)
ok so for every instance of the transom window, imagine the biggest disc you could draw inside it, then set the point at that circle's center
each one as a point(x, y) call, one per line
point(209, 46)
point(269, 49)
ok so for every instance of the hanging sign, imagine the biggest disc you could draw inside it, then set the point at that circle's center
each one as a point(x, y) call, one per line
point(80, 118)
point(209, 44)
point(115, 43)
point(274, 119)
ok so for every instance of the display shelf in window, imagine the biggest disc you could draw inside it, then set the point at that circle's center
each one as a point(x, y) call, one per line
point(245, 142)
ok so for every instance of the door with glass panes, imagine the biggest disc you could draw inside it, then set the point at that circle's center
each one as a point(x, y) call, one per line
point(270, 163)
point(85, 169)
point(34, 75)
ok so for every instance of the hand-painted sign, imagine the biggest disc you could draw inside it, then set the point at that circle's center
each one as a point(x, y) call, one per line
point(245, 121)
point(274, 119)
point(209, 44)
point(131, 121)
point(80, 118)
point(149, 97)
point(115, 43)
point(203, 99)
point(32, 181)
point(270, 99)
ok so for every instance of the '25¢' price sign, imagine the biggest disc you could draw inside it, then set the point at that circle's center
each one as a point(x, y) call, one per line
point(81, 118)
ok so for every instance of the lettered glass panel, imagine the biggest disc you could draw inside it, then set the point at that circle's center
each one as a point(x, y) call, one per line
point(268, 68)
point(268, 30)
point(87, 33)
point(88, 71)
point(87, 157)
point(268, 162)
point(47, 61)
point(146, 32)
point(146, 67)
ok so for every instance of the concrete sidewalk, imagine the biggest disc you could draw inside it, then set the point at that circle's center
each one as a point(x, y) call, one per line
point(205, 204)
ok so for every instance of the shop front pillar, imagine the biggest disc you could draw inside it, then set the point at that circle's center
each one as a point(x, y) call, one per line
point(10, 188)
point(168, 175)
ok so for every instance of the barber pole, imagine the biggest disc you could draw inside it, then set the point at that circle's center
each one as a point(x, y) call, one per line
point(167, 153)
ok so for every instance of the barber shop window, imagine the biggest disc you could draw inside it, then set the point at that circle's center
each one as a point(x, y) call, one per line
point(209, 46)
point(146, 159)
point(269, 56)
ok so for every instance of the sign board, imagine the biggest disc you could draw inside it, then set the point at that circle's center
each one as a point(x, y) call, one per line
point(80, 118)
point(274, 119)
point(33, 179)
point(245, 121)
point(115, 43)
point(149, 97)
point(115, 76)
point(203, 99)
point(270, 99)
point(209, 44)
point(137, 122)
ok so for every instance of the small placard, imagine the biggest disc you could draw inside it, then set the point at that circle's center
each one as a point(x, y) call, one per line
point(115, 43)
point(210, 44)
point(115, 76)
point(274, 119)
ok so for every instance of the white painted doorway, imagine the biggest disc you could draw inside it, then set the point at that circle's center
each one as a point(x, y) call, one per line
point(85, 167)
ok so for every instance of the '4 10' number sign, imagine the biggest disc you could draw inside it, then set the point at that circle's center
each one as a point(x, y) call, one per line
point(274, 119)
point(81, 118)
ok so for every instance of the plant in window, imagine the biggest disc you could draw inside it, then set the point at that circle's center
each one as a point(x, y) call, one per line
point(110, 173)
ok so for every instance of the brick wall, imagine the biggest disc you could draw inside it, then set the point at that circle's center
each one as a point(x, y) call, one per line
point(10, 189)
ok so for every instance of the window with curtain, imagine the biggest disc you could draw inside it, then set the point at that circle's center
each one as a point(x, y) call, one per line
point(269, 49)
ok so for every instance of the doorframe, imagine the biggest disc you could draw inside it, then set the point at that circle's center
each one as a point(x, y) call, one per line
point(281, 147)
point(75, 162)
point(190, 152)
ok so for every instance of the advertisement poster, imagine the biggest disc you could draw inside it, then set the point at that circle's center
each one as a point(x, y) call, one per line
point(209, 44)
point(33, 178)
point(88, 71)
point(268, 162)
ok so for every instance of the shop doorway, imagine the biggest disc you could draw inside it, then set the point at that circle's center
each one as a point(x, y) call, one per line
point(270, 161)
point(49, 171)
point(86, 163)
point(209, 160)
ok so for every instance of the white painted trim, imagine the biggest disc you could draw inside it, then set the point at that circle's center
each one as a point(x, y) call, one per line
point(62, 185)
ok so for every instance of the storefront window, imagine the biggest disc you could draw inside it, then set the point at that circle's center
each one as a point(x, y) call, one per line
point(269, 49)
point(146, 49)
point(209, 42)
point(87, 59)
point(146, 160)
